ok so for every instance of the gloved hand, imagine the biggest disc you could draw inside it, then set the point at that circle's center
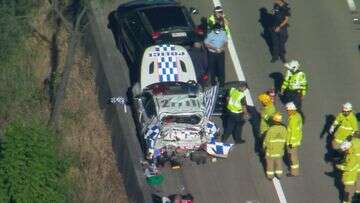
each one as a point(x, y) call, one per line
point(332, 129)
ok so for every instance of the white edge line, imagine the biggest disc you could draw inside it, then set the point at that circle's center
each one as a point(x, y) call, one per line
point(241, 76)
point(351, 5)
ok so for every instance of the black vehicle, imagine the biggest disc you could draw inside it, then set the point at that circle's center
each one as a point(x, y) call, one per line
point(139, 24)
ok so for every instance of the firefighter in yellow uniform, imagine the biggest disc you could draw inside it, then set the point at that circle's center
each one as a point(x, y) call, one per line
point(350, 169)
point(294, 137)
point(268, 109)
point(274, 147)
point(218, 17)
point(344, 125)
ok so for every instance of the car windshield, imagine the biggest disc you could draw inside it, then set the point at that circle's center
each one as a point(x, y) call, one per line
point(170, 88)
point(191, 119)
point(165, 18)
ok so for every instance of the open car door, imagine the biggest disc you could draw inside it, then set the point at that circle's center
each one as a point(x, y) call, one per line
point(223, 91)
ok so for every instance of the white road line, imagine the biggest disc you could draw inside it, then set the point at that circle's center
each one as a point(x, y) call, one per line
point(241, 76)
point(279, 190)
point(351, 5)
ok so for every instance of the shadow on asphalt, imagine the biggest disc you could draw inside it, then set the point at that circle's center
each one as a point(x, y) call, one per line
point(278, 79)
point(332, 156)
point(265, 20)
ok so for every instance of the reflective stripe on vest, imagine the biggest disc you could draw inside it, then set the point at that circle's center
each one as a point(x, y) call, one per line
point(295, 81)
point(234, 104)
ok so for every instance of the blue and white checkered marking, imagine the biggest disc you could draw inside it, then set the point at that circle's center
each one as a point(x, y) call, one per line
point(167, 62)
point(218, 149)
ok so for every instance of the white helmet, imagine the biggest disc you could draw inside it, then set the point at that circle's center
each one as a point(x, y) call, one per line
point(290, 106)
point(347, 106)
point(293, 65)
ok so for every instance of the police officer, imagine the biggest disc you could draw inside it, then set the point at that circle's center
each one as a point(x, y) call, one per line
point(234, 115)
point(279, 32)
point(216, 43)
point(344, 125)
point(295, 85)
point(218, 17)
point(294, 137)
point(274, 147)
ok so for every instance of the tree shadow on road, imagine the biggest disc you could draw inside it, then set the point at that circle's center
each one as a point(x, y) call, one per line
point(332, 156)
point(265, 20)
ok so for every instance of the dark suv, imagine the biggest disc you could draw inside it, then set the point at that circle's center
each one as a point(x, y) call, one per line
point(139, 24)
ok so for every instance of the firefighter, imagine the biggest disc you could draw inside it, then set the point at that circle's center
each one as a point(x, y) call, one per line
point(344, 125)
point(294, 137)
point(295, 84)
point(218, 17)
point(350, 169)
point(274, 147)
point(268, 109)
point(235, 111)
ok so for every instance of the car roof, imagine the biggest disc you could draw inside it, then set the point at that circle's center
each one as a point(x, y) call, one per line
point(166, 63)
point(133, 5)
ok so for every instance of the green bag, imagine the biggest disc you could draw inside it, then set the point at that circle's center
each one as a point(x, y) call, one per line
point(155, 180)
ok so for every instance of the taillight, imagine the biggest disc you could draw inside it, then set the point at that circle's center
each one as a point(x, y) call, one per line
point(155, 35)
point(199, 30)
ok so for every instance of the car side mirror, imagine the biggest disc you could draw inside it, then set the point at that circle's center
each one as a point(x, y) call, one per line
point(193, 11)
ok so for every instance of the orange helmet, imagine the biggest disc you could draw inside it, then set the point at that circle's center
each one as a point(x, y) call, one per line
point(264, 98)
point(277, 117)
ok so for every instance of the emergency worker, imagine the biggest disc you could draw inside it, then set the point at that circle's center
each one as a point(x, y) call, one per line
point(294, 137)
point(274, 147)
point(344, 125)
point(294, 86)
point(218, 17)
point(268, 109)
point(279, 31)
point(234, 115)
point(350, 169)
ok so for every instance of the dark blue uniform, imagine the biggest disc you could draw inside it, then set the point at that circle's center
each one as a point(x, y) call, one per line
point(279, 38)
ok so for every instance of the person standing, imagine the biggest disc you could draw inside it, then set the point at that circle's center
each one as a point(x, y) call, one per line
point(294, 137)
point(268, 109)
point(294, 86)
point(349, 177)
point(279, 31)
point(234, 115)
point(216, 43)
point(274, 147)
point(217, 17)
point(344, 125)
point(199, 58)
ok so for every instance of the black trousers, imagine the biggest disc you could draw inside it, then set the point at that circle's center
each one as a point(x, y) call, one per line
point(293, 96)
point(278, 42)
point(233, 125)
point(216, 65)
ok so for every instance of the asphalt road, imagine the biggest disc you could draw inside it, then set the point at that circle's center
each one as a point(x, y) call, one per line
point(324, 40)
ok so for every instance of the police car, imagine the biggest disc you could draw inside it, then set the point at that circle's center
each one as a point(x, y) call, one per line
point(171, 110)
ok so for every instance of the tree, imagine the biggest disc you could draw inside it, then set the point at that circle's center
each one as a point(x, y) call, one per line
point(30, 170)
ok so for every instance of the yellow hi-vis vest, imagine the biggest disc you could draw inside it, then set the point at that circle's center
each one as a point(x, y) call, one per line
point(234, 105)
point(211, 23)
point(295, 81)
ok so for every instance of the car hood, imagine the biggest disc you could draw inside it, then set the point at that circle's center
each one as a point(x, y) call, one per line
point(179, 104)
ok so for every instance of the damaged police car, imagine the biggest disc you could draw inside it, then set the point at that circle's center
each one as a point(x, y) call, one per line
point(171, 109)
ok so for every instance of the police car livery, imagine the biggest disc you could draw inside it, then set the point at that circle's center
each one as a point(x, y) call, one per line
point(172, 111)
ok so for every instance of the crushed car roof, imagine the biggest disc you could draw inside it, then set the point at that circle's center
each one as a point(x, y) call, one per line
point(166, 63)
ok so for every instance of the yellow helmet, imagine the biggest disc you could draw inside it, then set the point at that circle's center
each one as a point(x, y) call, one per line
point(277, 117)
point(264, 98)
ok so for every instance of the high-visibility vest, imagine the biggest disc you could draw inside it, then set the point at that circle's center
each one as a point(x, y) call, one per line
point(274, 142)
point(234, 105)
point(266, 114)
point(294, 129)
point(211, 24)
point(295, 81)
point(350, 169)
point(346, 126)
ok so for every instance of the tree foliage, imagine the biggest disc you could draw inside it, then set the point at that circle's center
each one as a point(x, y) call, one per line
point(30, 170)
